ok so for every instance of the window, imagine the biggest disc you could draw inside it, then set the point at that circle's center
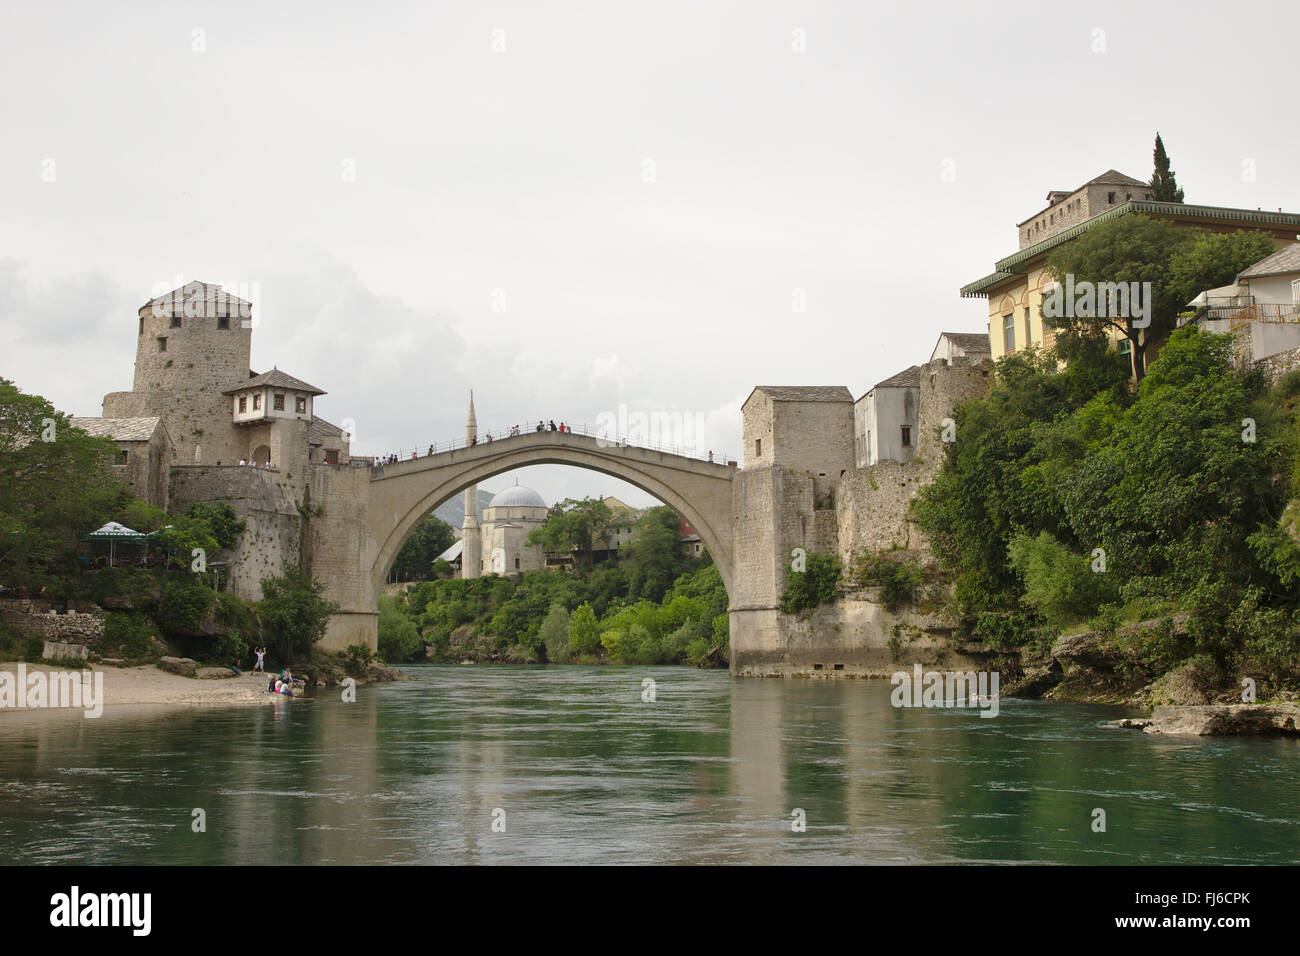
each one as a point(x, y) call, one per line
point(331, 456)
point(142, 325)
point(1124, 346)
point(162, 343)
point(125, 456)
point(278, 402)
point(300, 404)
point(516, 564)
point(1009, 332)
point(907, 436)
point(257, 401)
point(243, 403)
point(1029, 337)
point(223, 321)
point(176, 321)
point(1110, 198)
point(758, 448)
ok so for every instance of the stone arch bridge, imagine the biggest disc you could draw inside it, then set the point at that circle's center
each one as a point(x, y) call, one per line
point(395, 497)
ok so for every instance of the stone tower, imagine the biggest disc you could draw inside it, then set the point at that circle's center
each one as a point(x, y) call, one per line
point(192, 344)
point(471, 554)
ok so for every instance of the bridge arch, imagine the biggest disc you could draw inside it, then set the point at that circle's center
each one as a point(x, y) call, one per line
point(402, 494)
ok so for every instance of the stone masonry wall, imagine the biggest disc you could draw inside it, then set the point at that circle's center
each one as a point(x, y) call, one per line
point(263, 499)
point(1275, 366)
point(70, 628)
point(183, 384)
point(340, 554)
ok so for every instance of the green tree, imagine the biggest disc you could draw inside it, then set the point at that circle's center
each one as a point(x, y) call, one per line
point(573, 524)
point(1061, 585)
point(554, 634)
point(221, 520)
point(584, 634)
point(653, 557)
point(430, 538)
point(54, 486)
point(1130, 249)
point(1164, 187)
point(1214, 259)
point(399, 638)
point(293, 613)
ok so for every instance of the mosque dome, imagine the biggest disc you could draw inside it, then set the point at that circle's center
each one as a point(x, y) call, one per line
point(517, 496)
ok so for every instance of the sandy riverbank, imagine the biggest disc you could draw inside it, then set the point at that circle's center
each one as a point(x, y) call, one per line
point(133, 686)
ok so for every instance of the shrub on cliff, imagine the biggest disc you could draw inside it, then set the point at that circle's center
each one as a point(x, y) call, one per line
point(899, 581)
point(814, 582)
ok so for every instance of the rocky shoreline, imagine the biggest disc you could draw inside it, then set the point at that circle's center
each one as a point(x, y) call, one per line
point(1213, 720)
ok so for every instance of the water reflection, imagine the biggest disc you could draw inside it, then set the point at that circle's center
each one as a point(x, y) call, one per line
point(573, 766)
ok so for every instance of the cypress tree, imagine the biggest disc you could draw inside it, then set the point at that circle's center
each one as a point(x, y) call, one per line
point(1164, 187)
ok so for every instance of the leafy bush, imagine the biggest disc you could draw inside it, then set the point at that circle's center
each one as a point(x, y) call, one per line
point(554, 634)
point(817, 584)
point(1005, 631)
point(898, 581)
point(356, 658)
point(399, 638)
point(130, 634)
point(1059, 584)
point(185, 601)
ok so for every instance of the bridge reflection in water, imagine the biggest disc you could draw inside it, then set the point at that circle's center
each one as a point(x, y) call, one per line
point(582, 769)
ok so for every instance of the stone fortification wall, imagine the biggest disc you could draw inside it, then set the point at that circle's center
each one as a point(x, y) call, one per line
point(266, 501)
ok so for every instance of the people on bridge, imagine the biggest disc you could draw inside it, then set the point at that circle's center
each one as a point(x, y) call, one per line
point(540, 426)
point(710, 456)
point(473, 440)
point(489, 436)
point(563, 427)
point(553, 424)
point(430, 451)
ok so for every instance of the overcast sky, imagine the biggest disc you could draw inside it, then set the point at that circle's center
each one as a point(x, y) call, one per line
point(570, 207)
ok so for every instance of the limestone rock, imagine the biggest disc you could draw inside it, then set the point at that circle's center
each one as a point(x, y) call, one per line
point(179, 665)
point(1182, 686)
point(1225, 719)
point(1093, 649)
point(1132, 723)
point(376, 672)
point(214, 673)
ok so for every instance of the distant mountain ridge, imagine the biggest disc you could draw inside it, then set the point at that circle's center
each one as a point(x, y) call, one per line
point(452, 510)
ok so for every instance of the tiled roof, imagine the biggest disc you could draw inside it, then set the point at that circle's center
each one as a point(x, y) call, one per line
point(907, 378)
point(1286, 259)
point(275, 379)
point(1014, 264)
point(968, 341)
point(805, 393)
point(199, 289)
point(1112, 177)
point(320, 431)
point(118, 429)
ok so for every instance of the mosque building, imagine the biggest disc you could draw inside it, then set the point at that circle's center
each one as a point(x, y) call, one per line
point(500, 542)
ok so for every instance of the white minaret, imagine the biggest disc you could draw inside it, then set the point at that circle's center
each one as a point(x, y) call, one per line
point(471, 554)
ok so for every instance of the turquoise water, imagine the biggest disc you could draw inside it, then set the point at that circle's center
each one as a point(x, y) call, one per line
point(576, 768)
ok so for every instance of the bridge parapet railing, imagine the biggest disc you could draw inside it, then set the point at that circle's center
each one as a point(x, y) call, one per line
point(602, 435)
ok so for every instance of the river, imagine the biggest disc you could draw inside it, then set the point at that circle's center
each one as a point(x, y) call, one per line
point(502, 764)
